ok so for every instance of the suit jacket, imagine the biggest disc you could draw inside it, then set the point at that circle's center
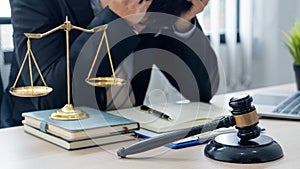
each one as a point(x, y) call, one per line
point(36, 16)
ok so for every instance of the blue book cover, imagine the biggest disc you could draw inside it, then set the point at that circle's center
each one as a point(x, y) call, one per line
point(98, 123)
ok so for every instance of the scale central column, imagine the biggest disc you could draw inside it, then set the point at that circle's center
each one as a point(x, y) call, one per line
point(68, 112)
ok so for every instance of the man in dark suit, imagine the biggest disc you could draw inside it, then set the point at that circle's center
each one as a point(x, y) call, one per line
point(36, 16)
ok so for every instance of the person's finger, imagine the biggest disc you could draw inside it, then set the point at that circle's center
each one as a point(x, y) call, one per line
point(197, 2)
point(131, 2)
point(137, 5)
point(141, 1)
point(205, 2)
point(143, 7)
point(199, 5)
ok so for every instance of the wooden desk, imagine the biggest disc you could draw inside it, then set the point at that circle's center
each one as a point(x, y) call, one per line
point(19, 150)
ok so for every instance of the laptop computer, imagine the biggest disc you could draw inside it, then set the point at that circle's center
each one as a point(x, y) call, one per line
point(278, 104)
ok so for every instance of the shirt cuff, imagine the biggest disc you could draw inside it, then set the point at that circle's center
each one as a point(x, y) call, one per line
point(187, 34)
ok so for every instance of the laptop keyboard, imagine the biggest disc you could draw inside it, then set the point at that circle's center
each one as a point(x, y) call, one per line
point(290, 106)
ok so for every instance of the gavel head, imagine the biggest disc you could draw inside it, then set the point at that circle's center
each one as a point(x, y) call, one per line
point(245, 116)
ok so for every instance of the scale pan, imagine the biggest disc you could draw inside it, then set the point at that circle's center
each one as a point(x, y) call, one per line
point(30, 91)
point(105, 81)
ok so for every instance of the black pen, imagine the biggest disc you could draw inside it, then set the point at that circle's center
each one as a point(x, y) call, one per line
point(155, 112)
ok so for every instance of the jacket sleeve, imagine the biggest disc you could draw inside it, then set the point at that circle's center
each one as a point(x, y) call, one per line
point(198, 55)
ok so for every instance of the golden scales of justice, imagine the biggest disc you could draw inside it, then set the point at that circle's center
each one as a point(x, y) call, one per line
point(68, 112)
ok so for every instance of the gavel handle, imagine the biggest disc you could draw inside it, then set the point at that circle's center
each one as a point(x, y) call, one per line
point(169, 137)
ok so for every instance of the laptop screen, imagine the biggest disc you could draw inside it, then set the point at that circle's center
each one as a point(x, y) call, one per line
point(269, 100)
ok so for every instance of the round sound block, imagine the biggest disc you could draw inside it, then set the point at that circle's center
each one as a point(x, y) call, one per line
point(229, 148)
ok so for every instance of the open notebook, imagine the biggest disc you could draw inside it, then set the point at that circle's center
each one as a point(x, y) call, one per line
point(184, 116)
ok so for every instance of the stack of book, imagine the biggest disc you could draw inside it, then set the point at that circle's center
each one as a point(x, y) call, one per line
point(100, 128)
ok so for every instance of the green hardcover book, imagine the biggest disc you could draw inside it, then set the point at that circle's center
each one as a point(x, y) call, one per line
point(98, 123)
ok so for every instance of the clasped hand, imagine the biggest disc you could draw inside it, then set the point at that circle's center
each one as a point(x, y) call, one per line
point(133, 11)
point(197, 7)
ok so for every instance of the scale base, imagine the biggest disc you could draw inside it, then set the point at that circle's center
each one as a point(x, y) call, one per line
point(68, 112)
point(228, 148)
